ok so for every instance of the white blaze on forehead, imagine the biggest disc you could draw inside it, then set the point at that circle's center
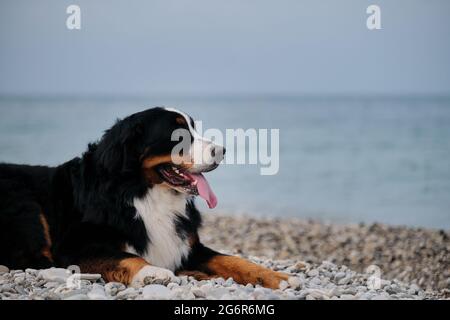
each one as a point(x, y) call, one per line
point(200, 151)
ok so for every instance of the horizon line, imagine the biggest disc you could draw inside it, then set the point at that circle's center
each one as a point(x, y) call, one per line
point(209, 95)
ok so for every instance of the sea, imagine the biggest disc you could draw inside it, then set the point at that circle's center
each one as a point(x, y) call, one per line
point(342, 159)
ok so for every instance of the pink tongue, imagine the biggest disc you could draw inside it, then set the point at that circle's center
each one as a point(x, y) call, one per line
point(204, 190)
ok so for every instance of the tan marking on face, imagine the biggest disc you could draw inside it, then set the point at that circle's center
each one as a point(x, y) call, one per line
point(243, 271)
point(181, 120)
point(46, 250)
point(149, 164)
point(152, 176)
point(153, 161)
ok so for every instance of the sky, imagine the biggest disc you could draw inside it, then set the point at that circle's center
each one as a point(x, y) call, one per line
point(220, 47)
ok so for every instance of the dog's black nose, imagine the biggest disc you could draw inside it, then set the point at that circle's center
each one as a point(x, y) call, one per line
point(217, 150)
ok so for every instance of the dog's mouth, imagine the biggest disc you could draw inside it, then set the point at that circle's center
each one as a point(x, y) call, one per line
point(183, 180)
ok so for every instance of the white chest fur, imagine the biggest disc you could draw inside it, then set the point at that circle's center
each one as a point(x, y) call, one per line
point(159, 209)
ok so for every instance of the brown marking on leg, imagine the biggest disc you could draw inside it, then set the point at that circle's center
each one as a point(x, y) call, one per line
point(149, 164)
point(243, 271)
point(122, 270)
point(46, 251)
point(133, 265)
point(181, 120)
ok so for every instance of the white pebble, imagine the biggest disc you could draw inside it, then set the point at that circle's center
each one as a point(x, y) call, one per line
point(155, 291)
point(97, 292)
point(55, 274)
point(313, 273)
point(295, 282)
point(284, 285)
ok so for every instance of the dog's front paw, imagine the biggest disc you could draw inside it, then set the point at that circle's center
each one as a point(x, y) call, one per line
point(152, 275)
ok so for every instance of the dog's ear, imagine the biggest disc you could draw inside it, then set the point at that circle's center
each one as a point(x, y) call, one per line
point(118, 150)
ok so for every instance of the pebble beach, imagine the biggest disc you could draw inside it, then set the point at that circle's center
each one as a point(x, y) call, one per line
point(327, 261)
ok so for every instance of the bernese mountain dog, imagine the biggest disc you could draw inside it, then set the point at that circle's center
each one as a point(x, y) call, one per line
point(125, 209)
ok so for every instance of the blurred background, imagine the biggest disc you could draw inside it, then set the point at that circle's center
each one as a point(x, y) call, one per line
point(364, 116)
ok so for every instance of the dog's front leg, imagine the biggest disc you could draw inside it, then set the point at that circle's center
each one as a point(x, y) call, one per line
point(99, 249)
point(126, 268)
point(207, 263)
point(243, 271)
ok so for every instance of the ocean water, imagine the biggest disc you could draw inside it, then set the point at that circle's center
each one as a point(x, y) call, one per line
point(342, 159)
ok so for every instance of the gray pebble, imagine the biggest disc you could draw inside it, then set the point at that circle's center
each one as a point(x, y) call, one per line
point(89, 276)
point(3, 269)
point(77, 297)
point(284, 285)
point(217, 293)
point(155, 291)
point(55, 274)
point(111, 288)
point(315, 281)
point(345, 280)
point(127, 293)
point(313, 273)
point(97, 292)
point(340, 275)
point(199, 293)
point(325, 281)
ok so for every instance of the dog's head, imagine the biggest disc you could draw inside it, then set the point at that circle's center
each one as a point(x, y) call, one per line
point(162, 145)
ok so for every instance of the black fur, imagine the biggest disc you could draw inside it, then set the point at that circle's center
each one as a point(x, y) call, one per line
point(87, 201)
